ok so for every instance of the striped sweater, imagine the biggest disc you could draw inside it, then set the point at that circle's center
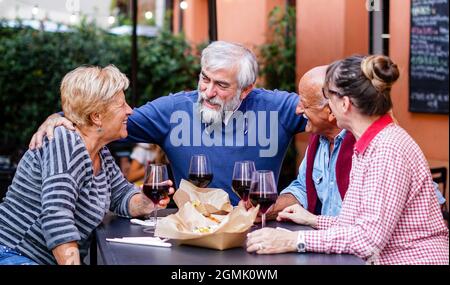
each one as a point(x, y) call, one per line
point(55, 198)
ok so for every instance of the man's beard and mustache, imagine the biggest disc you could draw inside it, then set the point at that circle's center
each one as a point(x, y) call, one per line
point(211, 116)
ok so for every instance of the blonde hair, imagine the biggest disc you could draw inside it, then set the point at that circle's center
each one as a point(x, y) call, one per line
point(89, 89)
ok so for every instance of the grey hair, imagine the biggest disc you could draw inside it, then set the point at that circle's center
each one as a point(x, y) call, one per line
point(226, 55)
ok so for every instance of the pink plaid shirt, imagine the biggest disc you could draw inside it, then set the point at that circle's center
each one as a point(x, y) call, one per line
point(390, 214)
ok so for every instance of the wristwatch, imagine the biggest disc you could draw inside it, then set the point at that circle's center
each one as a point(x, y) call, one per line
point(301, 245)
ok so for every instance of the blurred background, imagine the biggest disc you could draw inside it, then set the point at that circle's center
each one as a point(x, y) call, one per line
point(157, 43)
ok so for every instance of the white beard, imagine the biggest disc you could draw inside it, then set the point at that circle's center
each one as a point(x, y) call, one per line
point(211, 116)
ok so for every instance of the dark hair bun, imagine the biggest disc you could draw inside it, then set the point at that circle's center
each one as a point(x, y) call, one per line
point(381, 71)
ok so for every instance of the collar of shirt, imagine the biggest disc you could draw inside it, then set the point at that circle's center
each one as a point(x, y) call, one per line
point(338, 139)
point(228, 115)
point(371, 132)
point(226, 119)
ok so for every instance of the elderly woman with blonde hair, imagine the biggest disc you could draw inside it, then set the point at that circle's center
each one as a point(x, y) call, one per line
point(61, 192)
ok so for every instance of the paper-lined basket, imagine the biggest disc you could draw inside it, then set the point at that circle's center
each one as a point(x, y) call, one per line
point(206, 200)
point(199, 226)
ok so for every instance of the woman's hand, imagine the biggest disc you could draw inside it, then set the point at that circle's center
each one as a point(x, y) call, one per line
point(299, 215)
point(67, 254)
point(270, 241)
point(141, 205)
point(163, 202)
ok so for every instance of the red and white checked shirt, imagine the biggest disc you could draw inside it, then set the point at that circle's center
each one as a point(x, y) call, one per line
point(390, 213)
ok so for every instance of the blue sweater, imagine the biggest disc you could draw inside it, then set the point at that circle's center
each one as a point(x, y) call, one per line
point(260, 130)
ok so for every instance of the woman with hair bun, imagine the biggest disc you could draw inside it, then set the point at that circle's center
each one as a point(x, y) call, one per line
point(390, 213)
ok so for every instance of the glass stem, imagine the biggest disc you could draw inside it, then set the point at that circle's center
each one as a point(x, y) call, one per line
point(263, 220)
point(155, 216)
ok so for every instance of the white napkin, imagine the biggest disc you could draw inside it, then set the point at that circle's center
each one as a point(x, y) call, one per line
point(153, 241)
point(147, 223)
point(283, 229)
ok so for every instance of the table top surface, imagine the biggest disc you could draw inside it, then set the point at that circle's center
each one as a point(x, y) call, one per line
point(116, 253)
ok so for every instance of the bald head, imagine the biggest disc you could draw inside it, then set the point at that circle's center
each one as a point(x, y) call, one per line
point(311, 84)
point(314, 106)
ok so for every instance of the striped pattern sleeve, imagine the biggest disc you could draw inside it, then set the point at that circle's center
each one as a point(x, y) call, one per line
point(59, 190)
point(121, 189)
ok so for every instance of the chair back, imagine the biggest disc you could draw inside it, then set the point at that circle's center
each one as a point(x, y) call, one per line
point(440, 177)
point(6, 177)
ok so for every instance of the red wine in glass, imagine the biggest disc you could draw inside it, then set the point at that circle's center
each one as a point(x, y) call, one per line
point(200, 180)
point(156, 192)
point(200, 173)
point(263, 192)
point(242, 188)
point(265, 202)
point(242, 178)
point(155, 187)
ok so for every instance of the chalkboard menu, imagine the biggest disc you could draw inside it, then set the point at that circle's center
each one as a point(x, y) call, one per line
point(428, 79)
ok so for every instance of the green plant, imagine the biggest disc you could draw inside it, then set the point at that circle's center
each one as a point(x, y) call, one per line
point(278, 56)
point(33, 63)
point(278, 60)
point(166, 65)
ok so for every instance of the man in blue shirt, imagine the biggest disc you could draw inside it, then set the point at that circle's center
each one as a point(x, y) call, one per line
point(227, 118)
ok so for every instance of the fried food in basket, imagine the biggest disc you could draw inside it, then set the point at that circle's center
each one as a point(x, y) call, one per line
point(204, 230)
point(214, 219)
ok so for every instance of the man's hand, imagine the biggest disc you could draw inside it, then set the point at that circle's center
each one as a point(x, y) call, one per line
point(47, 128)
point(248, 205)
point(299, 215)
point(140, 205)
point(282, 202)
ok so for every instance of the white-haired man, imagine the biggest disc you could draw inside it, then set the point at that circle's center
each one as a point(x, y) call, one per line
point(227, 118)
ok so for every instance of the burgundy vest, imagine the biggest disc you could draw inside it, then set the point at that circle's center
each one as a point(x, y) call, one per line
point(343, 167)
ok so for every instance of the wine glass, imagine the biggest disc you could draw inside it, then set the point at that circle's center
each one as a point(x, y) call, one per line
point(200, 173)
point(263, 192)
point(155, 185)
point(242, 178)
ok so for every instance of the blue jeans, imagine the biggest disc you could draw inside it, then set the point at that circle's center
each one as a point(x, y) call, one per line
point(11, 257)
